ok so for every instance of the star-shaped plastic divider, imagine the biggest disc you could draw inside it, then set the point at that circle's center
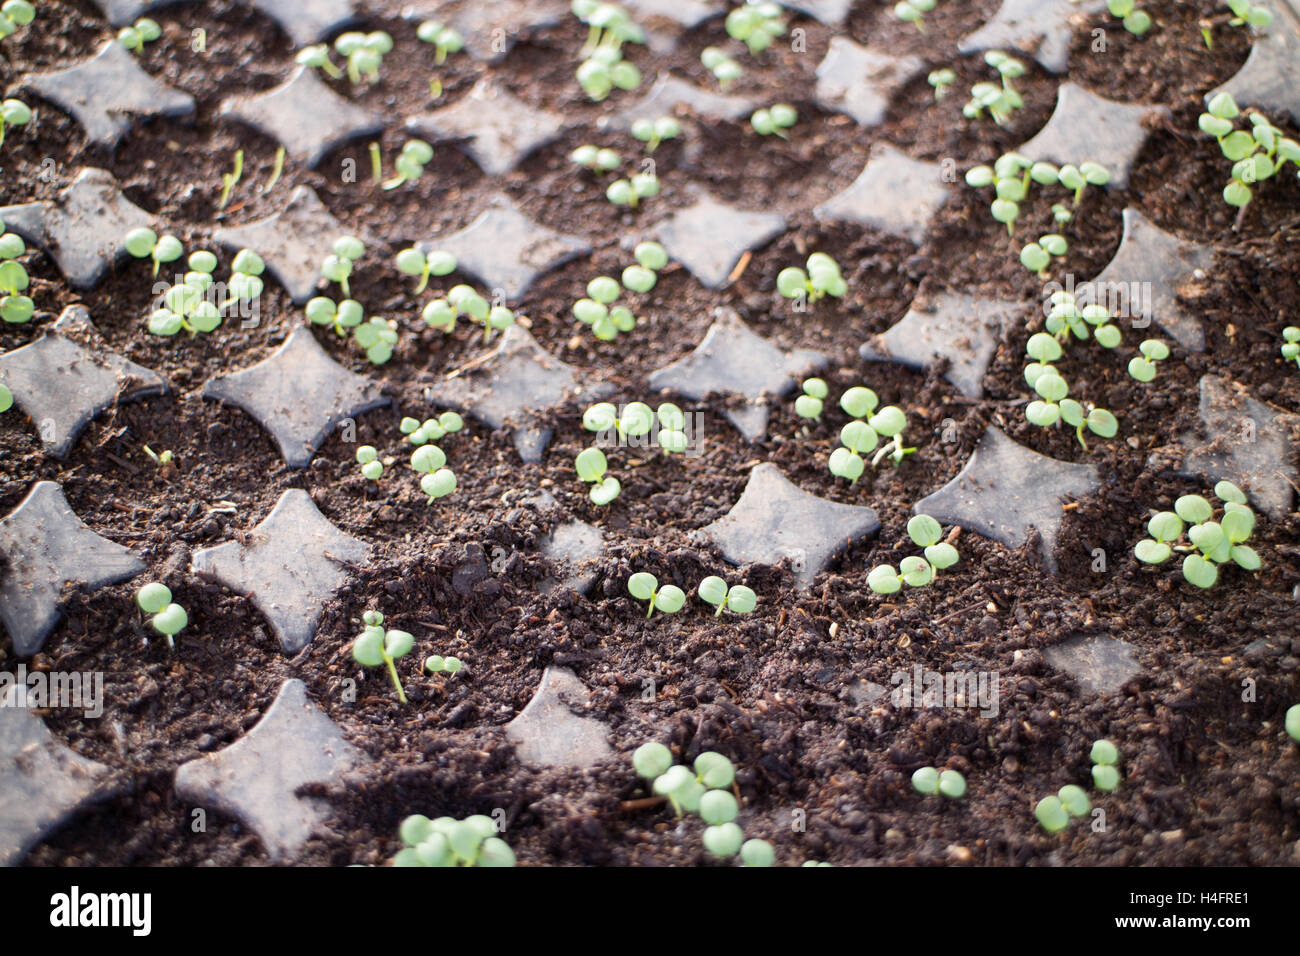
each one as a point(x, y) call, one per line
point(47, 548)
point(1084, 126)
point(669, 93)
point(1039, 28)
point(291, 241)
point(894, 193)
point(305, 21)
point(1244, 441)
point(257, 779)
point(1100, 664)
point(686, 13)
point(496, 127)
point(105, 91)
point(84, 228)
point(1267, 80)
point(506, 250)
point(515, 387)
point(298, 393)
point(775, 521)
point(304, 115)
point(708, 237)
point(1006, 491)
point(829, 12)
point(547, 733)
point(860, 82)
point(42, 782)
point(62, 385)
point(491, 29)
point(292, 563)
point(122, 13)
point(964, 329)
point(733, 360)
point(1141, 282)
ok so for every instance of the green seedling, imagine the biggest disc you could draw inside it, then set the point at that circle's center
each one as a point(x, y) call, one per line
point(1052, 406)
point(368, 458)
point(999, 100)
point(813, 399)
point(703, 789)
point(654, 132)
point(645, 587)
point(1143, 367)
point(6, 398)
point(341, 316)
point(186, 306)
point(1013, 174)
point(651, 259)
point(410, 162)
point(163, 461)
point(941, 79)
point(144, 243)
point(1206, 544)
point(338, 265)
point(168, 619)
point(246, 282)
point(15, 308)
point(437, 664)
point(597, 160)
point(635, 420)
point(437, 485)
point(738, 598)
point(598, 310)
point(432, 429)
point(364, 53)
point(443, 39)
point(915, 571)
point(1292, 722)
point(591, 467)
point(138, 34)
point(1037, 256)
point(671, 433)
point(724, 69)
point(1136, 22)
point(1105, 766)
point(413, 262)
point(231, 179)
point(376, 163)
point(756, 24)
point(1246, 14)
point(1054, 813)
point(629, 192)
point(277, 167)
point(756, 852)
point(914, 11)
point(822, 278)
point(15, 14)
point(462, 300)
point(377, 647)
point(377, 337)
point(948, 783)
point(860, 436)
point(1291, 344)
point(1257, 155)
point(317, 57)
point(1065, 318)
point(603, 70)
point(13, 113)
point(448, 842)
point(774, 120)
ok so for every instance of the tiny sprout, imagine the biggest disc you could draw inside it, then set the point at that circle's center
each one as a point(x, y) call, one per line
point(913, 11)
point(462, 300)
point(1054, 812)
point(723, 840)
point(635, 420)
point(144, 242)
point(1037, 256)
point(651, 760)
point(948, 783)
point(6, 398)
point(318, 57)
point(1209, 543)
point(757, 24)
point(941, 79)
point(14, 308)
point(341, 316)
point(629, 192)
point(437, 664)
point(15, 14)
point(136, 36)
point(822, 279)
point(915, 571)
point(1080, 178)
point(443, 39)
point(597, 160)
point(738, 598)
point(368, 459)
point(438, 485)
point(724, 69)
point(432, 429)
point(671, 434)
point(1061, 213)
point(1136, 22)
point(810, 403)
point(591, 467)
point(1291, 344)
point(1292, 722)
point(337, 266)
point(231, 179)
point(448, 842)
point(1245, 13)
point(376, 647)
point(377, 337)
point(774, 120)
point(757, 852)
point(246, 282)
point(168, 619)
point(653, 132)
point(13, 113)
point(364, 52)
point(645, 587)
point(1143, 367)
point(413, 262)
point(1105, 773)
point(410, 162)
point(164, 461)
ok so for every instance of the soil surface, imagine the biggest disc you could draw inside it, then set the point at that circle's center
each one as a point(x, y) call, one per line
point(1209, 778)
